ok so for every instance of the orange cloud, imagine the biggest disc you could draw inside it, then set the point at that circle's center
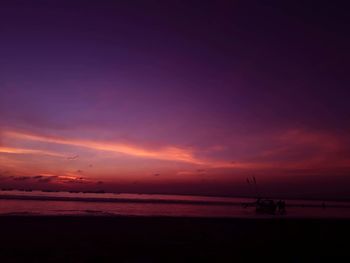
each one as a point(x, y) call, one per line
point(168, 153)
point(28, 151)
point(316, 150)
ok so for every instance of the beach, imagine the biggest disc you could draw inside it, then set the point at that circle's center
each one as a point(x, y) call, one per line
point(171, 239)
point(174, 131)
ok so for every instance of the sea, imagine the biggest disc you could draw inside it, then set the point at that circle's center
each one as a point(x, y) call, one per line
point(41, 203)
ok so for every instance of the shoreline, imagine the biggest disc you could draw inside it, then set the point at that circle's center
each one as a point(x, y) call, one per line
point(113, 200)
point(184, 194)
point(155, 201)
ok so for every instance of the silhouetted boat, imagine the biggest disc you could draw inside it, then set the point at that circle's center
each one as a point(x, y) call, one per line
point(262, 205)
point(265, 206)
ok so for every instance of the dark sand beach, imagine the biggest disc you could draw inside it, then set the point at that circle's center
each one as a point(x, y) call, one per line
point(167, 239)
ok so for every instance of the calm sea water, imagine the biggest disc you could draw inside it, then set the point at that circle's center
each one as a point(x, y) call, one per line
point(63, 203)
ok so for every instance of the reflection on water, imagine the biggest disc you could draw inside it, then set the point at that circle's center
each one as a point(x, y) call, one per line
point(154, 205)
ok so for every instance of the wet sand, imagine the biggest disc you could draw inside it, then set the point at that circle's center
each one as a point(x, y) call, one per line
point(162, 239)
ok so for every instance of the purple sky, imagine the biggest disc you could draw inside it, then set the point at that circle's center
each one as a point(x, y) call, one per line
point(185, 97)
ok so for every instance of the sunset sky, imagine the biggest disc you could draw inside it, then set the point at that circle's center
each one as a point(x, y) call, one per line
point(188, 97)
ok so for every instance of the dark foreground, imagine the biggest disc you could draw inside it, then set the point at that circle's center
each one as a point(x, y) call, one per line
point(141, 239)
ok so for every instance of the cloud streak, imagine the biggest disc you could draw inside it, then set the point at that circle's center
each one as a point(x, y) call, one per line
point(12, 150)
point(293, 149)
point(170, 153)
